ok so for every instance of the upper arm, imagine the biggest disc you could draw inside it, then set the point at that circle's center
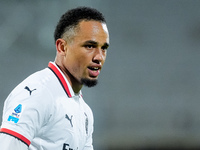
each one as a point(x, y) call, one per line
point(8, 142)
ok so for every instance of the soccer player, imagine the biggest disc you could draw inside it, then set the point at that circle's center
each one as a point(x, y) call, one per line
point(46, 111)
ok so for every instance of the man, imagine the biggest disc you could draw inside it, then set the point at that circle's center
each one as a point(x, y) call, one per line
point(46, 111)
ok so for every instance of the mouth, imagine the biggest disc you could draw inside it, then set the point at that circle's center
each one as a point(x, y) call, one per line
point(94, 68)
point(94, 71)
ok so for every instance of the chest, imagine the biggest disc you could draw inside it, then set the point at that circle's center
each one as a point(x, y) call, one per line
point(68, 124)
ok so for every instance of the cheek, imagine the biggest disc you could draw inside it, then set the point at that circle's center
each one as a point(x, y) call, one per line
point(79, 64)
point(79, 59)
point(104, 59)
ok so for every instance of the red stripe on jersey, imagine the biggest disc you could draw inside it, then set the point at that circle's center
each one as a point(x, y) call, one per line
point(15, 134)
point(61, 78)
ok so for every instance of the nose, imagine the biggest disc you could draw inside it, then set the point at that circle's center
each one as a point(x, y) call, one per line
point(99, 56)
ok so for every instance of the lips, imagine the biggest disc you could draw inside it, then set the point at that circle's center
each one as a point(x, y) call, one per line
point(94, 71)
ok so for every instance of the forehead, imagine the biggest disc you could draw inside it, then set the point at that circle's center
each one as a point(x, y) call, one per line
point(93, 30)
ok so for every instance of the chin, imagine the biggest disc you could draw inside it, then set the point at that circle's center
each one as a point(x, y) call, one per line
point(89, 82)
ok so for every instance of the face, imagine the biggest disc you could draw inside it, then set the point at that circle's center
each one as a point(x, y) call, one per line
point(86, 54)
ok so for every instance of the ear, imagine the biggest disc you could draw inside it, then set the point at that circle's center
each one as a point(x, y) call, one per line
point(61, 46)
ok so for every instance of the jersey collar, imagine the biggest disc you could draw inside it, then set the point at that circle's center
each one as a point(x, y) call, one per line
point(62, 79)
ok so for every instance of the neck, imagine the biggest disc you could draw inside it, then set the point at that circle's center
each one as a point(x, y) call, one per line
point(76, 86)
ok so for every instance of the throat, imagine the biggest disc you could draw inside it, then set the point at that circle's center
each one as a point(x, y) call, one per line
point(76, 88)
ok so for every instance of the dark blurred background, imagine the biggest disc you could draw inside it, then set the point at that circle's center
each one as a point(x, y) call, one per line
point(148, 96)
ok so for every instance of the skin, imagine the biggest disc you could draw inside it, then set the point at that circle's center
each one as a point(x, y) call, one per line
point(78, 58)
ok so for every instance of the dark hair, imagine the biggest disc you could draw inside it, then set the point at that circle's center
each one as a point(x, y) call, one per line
point(72, 18)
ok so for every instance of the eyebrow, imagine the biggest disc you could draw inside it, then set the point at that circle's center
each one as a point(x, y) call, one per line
point(96, 43)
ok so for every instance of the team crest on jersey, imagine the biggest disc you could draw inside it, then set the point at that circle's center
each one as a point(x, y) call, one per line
point(15, 114)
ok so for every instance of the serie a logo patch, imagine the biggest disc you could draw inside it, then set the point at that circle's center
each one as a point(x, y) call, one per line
point(15, 114)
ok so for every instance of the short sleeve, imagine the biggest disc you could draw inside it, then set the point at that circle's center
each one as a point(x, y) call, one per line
point(25, 112)
point(8, 142)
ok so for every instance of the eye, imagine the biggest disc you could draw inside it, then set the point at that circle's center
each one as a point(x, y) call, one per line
point(89, 46)
point(104, 48)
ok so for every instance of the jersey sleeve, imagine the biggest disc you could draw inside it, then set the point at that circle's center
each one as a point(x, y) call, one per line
point(8, 142)
point(25, 112)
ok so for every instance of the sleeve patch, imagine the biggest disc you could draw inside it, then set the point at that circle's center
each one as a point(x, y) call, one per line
point(15, 114)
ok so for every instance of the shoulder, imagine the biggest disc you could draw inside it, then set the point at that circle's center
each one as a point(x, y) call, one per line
point(37, 83)
point(31, 102)
point(34, 90)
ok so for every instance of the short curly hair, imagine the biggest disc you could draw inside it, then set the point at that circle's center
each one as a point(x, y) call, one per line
point(70, 20)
